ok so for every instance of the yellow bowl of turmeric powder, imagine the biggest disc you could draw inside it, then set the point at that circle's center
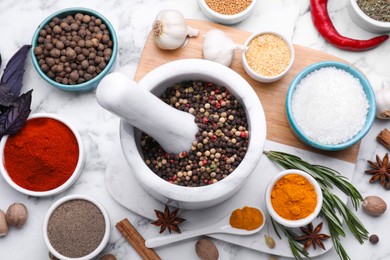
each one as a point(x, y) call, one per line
point(293, 198)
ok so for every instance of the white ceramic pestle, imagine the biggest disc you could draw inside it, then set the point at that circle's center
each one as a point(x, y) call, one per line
point(173, 129)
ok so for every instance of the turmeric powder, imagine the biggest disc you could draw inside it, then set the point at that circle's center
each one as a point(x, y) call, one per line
point(247, 218)
point(293, 197)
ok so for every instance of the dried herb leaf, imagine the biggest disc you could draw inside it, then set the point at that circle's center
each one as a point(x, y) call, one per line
point(7, 98)
point(15, 116)
point(13, 73)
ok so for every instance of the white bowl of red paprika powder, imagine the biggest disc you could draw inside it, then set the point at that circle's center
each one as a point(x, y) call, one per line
point(44, 158)
point(293, 198)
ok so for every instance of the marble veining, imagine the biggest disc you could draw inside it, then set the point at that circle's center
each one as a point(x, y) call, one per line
point(99, 129)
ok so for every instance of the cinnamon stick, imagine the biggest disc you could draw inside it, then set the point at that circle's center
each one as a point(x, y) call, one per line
point(384, 138)
point(136, 240)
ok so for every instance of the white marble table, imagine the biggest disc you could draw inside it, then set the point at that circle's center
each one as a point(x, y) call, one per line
point(99, 129)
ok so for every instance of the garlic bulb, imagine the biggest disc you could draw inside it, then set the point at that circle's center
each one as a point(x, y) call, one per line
point(219, 47)
point(170, 30)
point(382, 97)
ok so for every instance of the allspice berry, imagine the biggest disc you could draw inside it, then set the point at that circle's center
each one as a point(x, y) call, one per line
point(70, 54)
point(16, 215)
point(107, 257)
point(3, 224)
point(374, 239)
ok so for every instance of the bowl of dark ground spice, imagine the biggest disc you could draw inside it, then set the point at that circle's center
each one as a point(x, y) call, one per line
point(44, 158)
point(74, 48)
point(76, 227)
point(225, 150)
point(373, 16)
point(227, 11)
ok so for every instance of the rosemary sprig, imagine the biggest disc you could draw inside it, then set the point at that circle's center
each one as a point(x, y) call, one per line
point(327, 178)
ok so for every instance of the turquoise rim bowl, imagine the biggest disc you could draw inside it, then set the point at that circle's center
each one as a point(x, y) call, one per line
point(91, 84)
point(366, 88)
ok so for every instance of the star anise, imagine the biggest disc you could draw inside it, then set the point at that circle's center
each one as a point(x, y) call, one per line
point(312, 237)
point(381, 170)
point(168, 220)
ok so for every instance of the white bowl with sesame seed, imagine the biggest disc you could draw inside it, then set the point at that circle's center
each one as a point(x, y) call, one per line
point(227, 11)
point(268, 56)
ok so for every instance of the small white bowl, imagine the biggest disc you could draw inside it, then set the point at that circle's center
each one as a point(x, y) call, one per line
point(287, 222)
point(102, 244)
point(224, 18)
point(262, 78)
point(364, 21)
point(59, 189)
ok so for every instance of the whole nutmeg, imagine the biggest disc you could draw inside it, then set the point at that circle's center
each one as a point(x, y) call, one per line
point(374, 205)
point(206, 250)
point(3, 224)
point(17, 215)
point(107, 257)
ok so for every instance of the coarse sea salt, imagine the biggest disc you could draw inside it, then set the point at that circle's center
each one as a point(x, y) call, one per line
point(329, 106)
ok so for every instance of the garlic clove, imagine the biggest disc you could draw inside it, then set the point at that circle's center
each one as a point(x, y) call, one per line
point(382, 97)
point(170, 30)
point(218, 47)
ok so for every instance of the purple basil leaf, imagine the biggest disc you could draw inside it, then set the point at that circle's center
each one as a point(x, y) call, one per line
point(13, 72)
point(15, 116)
point(7, 98)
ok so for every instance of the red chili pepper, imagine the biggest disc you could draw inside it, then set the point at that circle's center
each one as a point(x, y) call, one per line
point(324, 25)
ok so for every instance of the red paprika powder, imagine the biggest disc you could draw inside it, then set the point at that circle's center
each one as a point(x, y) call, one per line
point(42, 155)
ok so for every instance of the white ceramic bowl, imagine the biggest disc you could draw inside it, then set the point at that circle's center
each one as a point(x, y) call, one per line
point(197, 197)
point(223, 18)
point(59, 189)
point(364, 21)
point(262, 78)
point(102, 244)
point(287, 222)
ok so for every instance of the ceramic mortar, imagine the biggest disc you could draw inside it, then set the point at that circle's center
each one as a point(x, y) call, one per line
point(157, 81)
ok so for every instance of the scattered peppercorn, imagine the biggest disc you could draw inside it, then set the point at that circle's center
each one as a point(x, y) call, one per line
point(217, 150)
point(374, 239)
point(68, 48)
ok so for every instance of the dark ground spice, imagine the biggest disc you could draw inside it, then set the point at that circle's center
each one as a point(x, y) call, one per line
point(76, 228)
point(221, 142)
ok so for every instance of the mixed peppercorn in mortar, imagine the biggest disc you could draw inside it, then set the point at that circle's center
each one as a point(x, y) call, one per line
point(221, 142)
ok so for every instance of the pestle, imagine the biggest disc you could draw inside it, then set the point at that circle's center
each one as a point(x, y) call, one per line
point(173, 129)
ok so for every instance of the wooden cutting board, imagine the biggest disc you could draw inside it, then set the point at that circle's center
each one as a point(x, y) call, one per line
point(271, 95)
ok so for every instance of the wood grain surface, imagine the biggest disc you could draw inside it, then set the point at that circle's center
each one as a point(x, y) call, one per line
point(271, 95)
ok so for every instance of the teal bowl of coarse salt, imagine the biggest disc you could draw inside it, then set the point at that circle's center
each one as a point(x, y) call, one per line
point(330, 105)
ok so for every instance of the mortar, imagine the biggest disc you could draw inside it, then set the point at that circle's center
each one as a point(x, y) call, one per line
point(157, 81)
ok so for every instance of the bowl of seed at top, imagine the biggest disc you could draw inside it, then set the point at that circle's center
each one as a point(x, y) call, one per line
point(227, 11)
point(74, 48)
point(268, 56)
